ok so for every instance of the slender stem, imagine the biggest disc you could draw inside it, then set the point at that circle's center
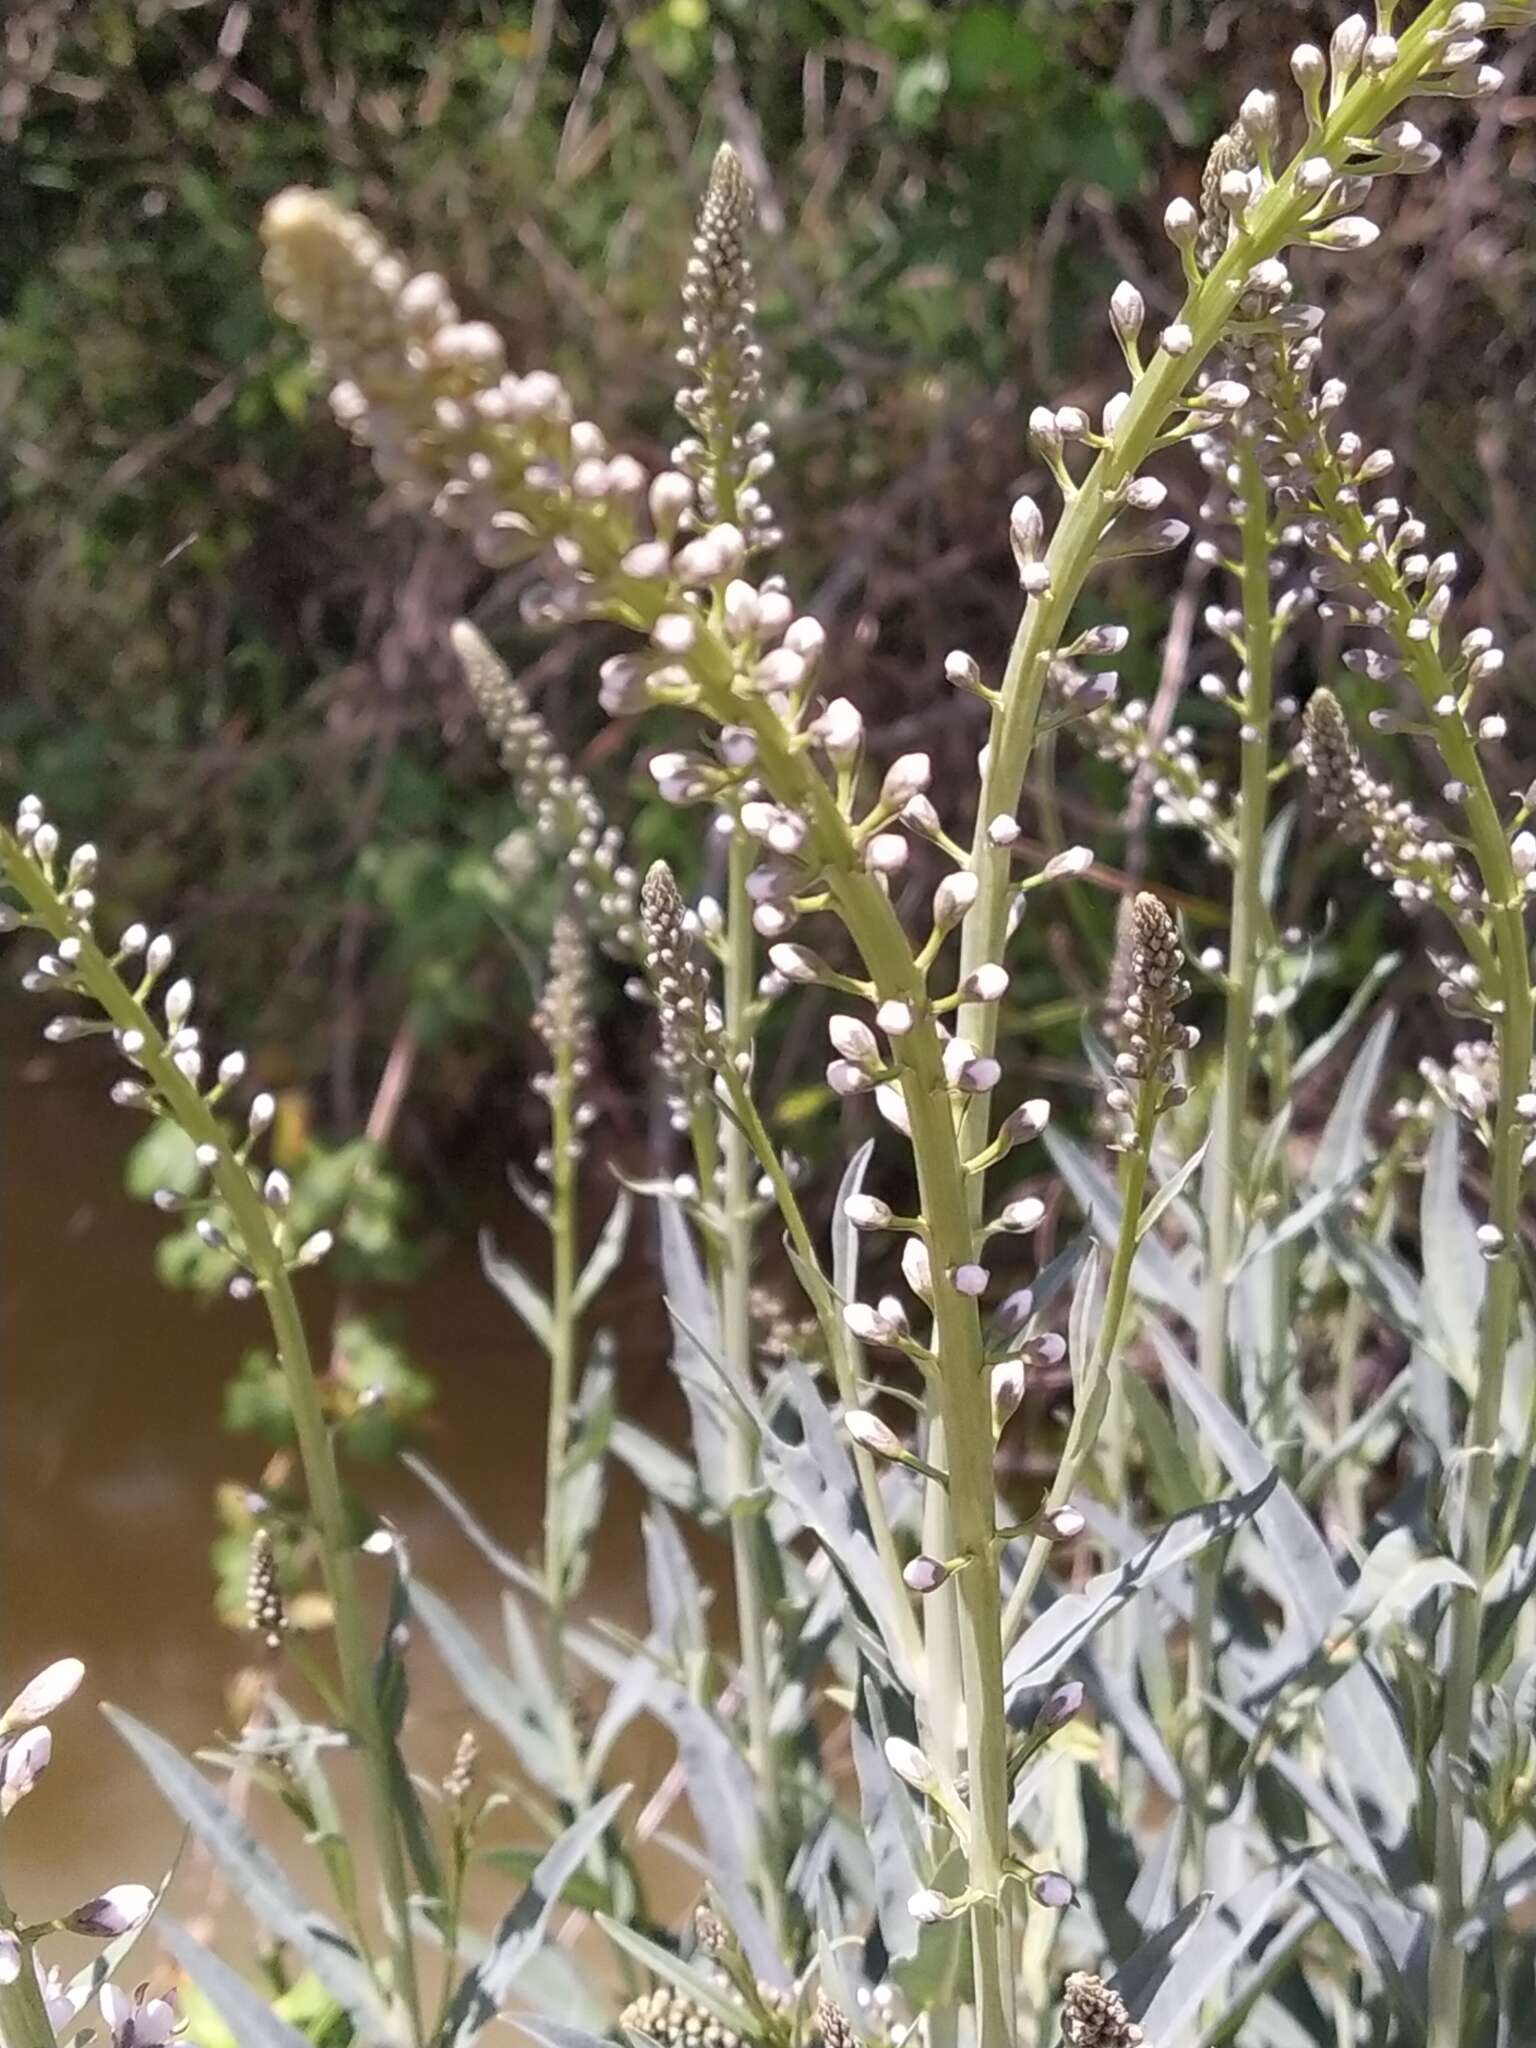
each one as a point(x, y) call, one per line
point(564, 1222)
point(1222, 1176)
point(1098, 1377)
point(749, 1532)
point(253, 1226)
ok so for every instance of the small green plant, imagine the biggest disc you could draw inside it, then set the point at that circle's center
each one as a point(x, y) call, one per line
point(1208, 1740)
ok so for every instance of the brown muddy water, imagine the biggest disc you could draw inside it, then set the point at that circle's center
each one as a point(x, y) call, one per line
point(111, 1448)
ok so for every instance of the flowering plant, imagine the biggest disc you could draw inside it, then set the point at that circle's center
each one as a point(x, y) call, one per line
point(1301, 1796)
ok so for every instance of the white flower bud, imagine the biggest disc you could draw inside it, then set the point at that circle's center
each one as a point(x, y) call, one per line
point(953, 898)
point(1061, 1524)
point(908, 775)
point(314, 1248)
point(928, 1907)
point(887, 853)
point(1379, 55)
point(839, 730)
point(1225, 395)
point(1072, 860)
point(1007, 1385)
point(670, 496)
point(157, 956)
point(675, 632)
point(1181, 223)
point(1177, 340)
point(1353, 231)
point(797, 964)
point(961, 669)
point(1027, 1121)
point(852, 1037)
point(178, 1002)
point(845, 1077)
point(43, 1695)
point(263, 1109)
point(1003, 831)
point(917, 1268)
point(277, 1190)
point(134, 940)
point(892, 1105)
point(871, 1434)
point(1260, 118)
point(867, 1212)
point(1127, 311)
point(867, 1324)
point(231, 1069)
point(1026, 530)
point(969, 1279)
point(1025, 1214)
point(909, 1763)
point(987, 983)
point(1347, 47)
point(895, 1017)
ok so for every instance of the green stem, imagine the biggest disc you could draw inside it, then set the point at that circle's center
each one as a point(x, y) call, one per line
point(1223, 1167)
point(253, 1227)
point(750, 1542)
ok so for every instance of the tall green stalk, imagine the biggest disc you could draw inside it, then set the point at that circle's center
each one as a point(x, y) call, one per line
point(1222, 1177)
point(750, 1545)
point(253, 1223)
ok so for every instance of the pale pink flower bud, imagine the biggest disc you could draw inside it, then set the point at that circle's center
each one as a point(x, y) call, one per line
point(925, 1575)
point(867, 1212)
point(114, 1912)
point(22, 1763)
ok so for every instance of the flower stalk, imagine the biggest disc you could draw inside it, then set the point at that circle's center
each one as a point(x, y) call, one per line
point(253, 1223)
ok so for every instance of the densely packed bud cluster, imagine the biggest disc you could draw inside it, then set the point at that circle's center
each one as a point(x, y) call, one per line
point(720, 352)
point(1093, 2016)
point(1148, 1032)
point(563, 1019)
point(676, 2021)
point(1401, 847)
point(679, 982)
point(566, 816)
point(266, 1610)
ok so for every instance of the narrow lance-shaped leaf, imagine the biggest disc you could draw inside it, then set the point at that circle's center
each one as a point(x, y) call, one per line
point(513, 1284)
point(255, 1877)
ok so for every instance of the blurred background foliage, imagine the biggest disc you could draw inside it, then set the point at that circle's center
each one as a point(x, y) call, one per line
point(224, 660)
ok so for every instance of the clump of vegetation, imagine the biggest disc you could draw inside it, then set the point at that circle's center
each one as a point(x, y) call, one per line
point(1224, 1730)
